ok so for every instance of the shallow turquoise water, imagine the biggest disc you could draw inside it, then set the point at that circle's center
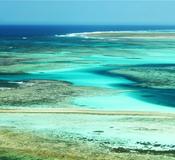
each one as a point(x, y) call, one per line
point(81, 60)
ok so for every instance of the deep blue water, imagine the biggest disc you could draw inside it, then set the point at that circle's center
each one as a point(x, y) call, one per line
point(38, 30)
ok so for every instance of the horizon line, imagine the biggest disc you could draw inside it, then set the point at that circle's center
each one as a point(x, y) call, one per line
point(87, 25)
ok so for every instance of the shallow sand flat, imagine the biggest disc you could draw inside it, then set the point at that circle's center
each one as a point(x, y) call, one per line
point(119, 102)
point(86, 122)
point(87, 133)
point(85, 111)
point(25, 146)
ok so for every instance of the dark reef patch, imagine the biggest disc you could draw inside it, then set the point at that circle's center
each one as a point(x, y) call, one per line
point(154, 83)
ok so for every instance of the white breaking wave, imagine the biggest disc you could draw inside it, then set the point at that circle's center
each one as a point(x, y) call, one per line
point(82, 34)
point(86, 34)
point(24, 38)
point(93, 35)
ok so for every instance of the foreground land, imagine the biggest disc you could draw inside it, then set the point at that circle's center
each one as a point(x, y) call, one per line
point(77, 135)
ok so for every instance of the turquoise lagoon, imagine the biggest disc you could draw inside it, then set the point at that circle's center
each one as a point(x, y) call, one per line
point(86, 59)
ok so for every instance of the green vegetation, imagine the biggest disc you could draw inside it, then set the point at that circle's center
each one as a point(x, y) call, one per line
point(25, 146)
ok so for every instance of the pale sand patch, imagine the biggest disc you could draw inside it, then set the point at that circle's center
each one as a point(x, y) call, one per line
point(85, 133)
point(86, 111)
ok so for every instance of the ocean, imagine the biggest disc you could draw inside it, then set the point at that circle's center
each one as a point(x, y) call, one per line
point(110, 67)
point(49, 30)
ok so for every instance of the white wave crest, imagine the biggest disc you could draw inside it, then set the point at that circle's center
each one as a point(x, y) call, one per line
point(96, 34)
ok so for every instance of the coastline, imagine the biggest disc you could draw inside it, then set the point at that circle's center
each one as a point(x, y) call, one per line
point(80, 133)
point(87, 111)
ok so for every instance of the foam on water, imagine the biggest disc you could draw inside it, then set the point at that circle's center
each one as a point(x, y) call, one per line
point(100, 34)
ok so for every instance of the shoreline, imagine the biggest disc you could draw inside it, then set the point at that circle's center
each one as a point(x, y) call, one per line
point(87, 111)
point(109, 133)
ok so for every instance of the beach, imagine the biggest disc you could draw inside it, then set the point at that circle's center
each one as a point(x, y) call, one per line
point(78, 134)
